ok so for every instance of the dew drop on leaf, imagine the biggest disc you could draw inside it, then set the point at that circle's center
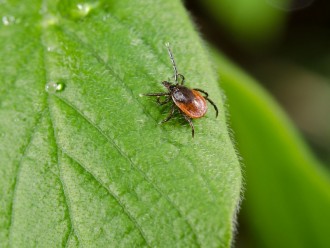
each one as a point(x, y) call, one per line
point(8, 20)
point(53, 87)
point(83, 8)
point(50, 49)
point(77, 10)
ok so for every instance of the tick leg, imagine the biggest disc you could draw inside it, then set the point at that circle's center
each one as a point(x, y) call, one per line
point(173, 62)
point(206, 94)
point(157, 94)
point(191, 124)
point(167, 99)
point(210, 101)
point(182, 79)
point(215, 106)
point(170, 114)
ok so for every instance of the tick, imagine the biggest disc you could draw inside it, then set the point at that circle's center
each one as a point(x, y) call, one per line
point(190, 102)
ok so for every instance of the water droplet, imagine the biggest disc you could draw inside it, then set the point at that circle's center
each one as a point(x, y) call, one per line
point(51, 49)
point(8, 20)
point(84, 8)
point(53, 87)
point(77, 10)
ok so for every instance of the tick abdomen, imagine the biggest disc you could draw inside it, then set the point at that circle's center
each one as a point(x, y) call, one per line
point(189, 102)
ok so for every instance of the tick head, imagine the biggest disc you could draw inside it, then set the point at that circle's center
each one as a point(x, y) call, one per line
point(168, 85)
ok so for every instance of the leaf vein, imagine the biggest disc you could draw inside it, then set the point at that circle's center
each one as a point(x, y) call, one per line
point(71, 227)
point(111, 141)
point(19, 168)
point(121, 204)
point(69, 236)
point(66, 199)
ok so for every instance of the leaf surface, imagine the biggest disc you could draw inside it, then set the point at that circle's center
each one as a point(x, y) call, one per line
point(89, 165)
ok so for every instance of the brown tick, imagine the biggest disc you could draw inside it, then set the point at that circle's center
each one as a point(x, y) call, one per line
point(190, 103)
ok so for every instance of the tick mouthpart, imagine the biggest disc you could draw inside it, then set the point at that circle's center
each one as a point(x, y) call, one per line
point(168, 85)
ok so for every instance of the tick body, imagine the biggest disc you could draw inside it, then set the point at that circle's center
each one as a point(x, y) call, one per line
point(190, 102)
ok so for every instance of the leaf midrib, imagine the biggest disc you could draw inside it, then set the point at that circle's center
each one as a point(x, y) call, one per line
point(111, 142)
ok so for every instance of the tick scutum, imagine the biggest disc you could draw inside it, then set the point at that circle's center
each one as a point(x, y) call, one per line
point(182, 94)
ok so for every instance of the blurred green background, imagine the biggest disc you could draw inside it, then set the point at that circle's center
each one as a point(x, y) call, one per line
point(279, 114)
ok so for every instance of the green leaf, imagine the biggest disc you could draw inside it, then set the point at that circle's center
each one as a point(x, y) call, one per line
point(249, 22)
point(288, 191)
point(85, 162)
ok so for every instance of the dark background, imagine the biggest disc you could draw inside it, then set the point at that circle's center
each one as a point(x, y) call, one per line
point(294, 66)
point(291, 60)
